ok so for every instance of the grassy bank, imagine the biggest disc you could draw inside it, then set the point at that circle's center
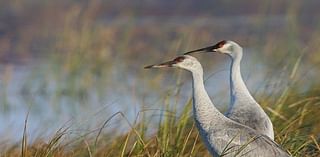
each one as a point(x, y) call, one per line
point(80, 52)
point(295, 122)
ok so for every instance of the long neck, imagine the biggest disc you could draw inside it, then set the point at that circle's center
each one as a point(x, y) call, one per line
point(204, 111)
point(238, 89)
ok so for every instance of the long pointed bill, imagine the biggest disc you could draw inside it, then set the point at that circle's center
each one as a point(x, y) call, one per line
point(168, 63)
point(161, 65)
point(206, 49)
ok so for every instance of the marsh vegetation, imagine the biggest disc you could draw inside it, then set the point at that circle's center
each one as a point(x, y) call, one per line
point(73, 84)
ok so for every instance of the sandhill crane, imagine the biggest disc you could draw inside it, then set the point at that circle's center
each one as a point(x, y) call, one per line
point(243, 108)
point(221, 135)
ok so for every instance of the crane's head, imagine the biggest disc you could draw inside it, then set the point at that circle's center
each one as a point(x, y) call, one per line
point(225, 46)
point(185, 62)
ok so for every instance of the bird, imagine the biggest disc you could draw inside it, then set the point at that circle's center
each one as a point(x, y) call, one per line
point(243, 107)
point(221, 135)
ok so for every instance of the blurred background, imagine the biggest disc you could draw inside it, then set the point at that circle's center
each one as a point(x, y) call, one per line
point(77, 62)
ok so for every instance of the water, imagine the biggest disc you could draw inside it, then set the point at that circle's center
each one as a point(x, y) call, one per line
point(128, 93)
point(54, 100)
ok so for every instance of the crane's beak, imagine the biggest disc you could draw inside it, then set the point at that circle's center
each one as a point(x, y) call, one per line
point(206, 49)
point(162, 65)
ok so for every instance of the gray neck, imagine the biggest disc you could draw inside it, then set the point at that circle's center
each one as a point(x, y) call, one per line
point(204, 111)
point(238, 89)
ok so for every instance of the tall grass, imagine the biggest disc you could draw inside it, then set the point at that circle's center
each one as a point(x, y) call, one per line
point(86, 55)
point(295, 125)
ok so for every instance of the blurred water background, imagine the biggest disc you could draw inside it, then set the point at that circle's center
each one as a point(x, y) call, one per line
point(76, 63)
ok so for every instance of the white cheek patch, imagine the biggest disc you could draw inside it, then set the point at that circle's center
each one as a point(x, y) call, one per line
point(224, 48)
point(189, 64)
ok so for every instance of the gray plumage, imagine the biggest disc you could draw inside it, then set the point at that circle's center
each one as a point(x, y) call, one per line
point(243, 108)
point(221, 135)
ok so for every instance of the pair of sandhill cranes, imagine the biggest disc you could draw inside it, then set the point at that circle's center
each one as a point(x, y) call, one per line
point(245, 130)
